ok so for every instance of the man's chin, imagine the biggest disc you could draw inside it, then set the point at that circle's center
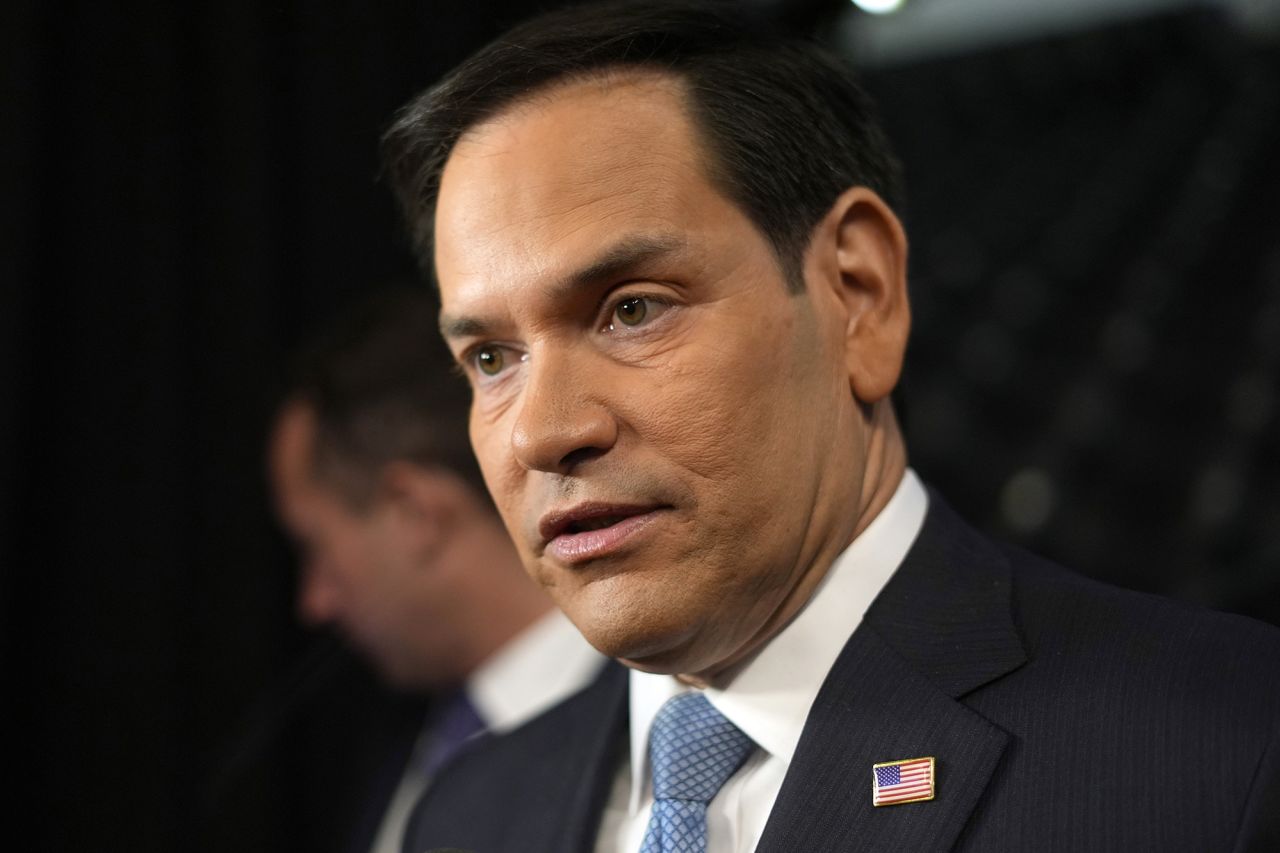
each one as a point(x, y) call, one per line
point(629, 616)
point(399, 677)
point(407, 674)
point(660, 653)
point(653, 666)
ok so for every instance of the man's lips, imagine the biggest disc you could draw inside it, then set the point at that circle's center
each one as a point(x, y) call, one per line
point(591, 530)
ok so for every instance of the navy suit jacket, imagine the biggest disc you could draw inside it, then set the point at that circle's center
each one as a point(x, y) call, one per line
point(1064, 715)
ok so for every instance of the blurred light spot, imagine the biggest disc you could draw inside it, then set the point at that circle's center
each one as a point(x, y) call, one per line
point(1027, 500)
point(1217, 495)
point(1126, 343)
point(879, 7)
point(1251, 403)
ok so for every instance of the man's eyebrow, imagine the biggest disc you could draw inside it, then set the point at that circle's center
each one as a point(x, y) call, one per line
point(461, 327)
point(624, 256)
point(619, 259)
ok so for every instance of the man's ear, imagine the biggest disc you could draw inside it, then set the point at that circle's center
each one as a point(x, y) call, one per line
point(860, 249)
point(424, 505)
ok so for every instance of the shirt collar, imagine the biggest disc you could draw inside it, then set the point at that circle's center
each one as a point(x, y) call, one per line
point(542, 665)
point(770, 697)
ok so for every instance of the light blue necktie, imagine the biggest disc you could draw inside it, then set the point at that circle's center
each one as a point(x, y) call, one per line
point(694, 750)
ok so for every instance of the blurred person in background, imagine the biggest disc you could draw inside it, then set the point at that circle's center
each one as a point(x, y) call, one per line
point(402, 552)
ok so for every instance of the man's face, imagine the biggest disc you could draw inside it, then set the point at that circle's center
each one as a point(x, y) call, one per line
point(358, 569)
point(668, 432)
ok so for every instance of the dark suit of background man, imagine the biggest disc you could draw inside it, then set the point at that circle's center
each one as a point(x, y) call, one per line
point(402, 552)
point(670, 264)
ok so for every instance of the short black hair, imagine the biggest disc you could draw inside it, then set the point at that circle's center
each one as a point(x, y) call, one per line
point(382, 386)
point(788, 125)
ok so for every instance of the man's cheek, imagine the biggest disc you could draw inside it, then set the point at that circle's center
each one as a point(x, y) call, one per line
point(502, 473)
point(704, 407)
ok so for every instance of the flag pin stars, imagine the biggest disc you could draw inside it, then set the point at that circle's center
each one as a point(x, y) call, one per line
point(908, 781)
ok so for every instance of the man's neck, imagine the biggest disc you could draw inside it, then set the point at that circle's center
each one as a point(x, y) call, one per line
point(885, 464)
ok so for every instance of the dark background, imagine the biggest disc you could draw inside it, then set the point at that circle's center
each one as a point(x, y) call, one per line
point(188, 188)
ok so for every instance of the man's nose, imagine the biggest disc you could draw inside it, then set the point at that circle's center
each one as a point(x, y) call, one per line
point(560, 425)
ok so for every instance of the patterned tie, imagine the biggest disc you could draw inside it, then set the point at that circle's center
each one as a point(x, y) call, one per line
point(694, 750)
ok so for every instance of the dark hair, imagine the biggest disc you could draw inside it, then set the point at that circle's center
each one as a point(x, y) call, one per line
point(787, 125)
point(382, 387)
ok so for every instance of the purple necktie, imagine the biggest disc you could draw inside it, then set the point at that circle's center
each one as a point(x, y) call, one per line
point(456, 723)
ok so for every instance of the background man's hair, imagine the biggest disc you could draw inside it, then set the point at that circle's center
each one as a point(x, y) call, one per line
point(382, 386)
point(787, 126)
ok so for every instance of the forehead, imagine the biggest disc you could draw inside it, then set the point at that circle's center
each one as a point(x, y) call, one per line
point(542, 183)
point(295, 445)
point(293, 441)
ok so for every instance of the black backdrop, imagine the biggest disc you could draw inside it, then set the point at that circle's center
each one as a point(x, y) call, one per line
point(188, 188)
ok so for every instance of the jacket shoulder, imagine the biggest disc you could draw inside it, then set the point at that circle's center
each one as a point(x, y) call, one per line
point(1062, 613)
point(1133, 717)
point(540, 787)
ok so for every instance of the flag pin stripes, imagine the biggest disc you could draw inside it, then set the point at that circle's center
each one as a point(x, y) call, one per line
point(908, 781)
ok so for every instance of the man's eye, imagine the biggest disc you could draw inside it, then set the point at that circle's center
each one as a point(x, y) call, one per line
point(635, 311)
point(489, 360)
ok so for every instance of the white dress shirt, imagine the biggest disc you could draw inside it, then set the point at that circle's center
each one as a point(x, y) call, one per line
point(546, 663)
point(770, 697)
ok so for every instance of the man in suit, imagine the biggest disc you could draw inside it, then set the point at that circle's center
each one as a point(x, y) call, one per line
point(670, 265)
point(402, 553)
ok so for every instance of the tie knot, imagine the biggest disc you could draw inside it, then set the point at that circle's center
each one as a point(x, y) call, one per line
point(694, 749)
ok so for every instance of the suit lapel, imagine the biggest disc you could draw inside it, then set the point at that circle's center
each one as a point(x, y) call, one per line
point(539, 789)
point(941, 628)
point(590, 769)
point(565, 765)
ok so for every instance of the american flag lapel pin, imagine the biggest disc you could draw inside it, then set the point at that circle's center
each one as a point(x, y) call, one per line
point(908, 781)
